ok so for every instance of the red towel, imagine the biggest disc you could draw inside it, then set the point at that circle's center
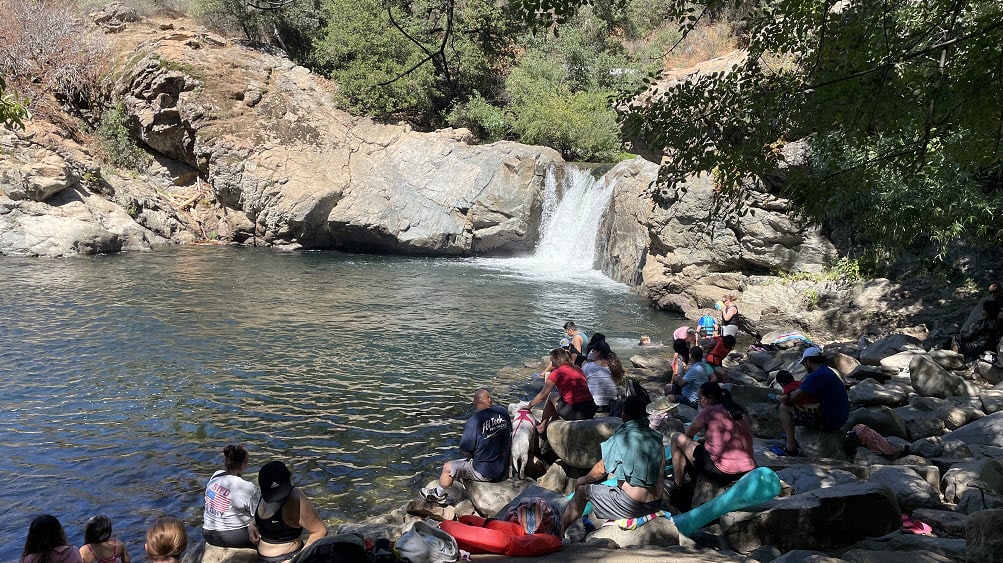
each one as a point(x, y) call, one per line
point(873, 441)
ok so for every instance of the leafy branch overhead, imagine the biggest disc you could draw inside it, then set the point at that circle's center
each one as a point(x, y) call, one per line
point(899, 106)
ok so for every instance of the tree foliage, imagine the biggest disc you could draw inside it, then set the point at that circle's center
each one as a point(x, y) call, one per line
point(900, 102)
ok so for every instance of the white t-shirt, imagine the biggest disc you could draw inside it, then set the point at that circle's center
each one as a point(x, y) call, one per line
point(229, 502)
point(601, 383)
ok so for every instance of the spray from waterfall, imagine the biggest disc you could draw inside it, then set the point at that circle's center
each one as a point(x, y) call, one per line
point(573, 206)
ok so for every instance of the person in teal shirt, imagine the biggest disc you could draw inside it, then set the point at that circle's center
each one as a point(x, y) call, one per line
point(635, 456)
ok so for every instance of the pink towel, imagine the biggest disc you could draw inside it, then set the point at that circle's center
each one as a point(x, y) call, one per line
point(873, 441)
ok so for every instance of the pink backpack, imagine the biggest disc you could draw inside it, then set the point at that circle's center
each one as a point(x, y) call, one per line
point(873, 441)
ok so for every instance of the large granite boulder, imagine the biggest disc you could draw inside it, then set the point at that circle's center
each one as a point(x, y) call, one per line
point(931, 380)
point(911, 490)
point(214, 554)
point(660, 532)
point(888, 346)
point(986, 431)
point(870, 392)
point(809, 477)
point(984, 536)
point(823, 519)
point(883, 420)
point(920, 423)
point(577, 442)
point(489, 498)
point(992, 400)
point(984, 474)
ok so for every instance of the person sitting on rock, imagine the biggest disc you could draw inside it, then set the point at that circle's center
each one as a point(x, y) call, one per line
point(726, 451)
point(635, 456)
point(719, 350)
point(822, 383)
point(605, 377)
point(680, 360)
point(573, 400)
point(983, 335)
point(686, 388)
point(578, 343)
point(487, 444)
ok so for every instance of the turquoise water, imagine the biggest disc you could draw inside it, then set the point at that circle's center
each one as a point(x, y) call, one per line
point(124, 376)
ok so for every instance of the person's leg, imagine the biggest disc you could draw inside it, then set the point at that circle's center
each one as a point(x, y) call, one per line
point(549, 410)
point(682, 452)
point(787, 421)
point(446, 477)
point(574, 510)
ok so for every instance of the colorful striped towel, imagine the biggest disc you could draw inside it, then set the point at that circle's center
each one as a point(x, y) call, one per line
point(635, 523)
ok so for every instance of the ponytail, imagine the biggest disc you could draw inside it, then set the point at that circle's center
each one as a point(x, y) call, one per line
point(722, 397)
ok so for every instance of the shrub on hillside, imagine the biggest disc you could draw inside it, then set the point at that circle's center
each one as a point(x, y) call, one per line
point(47, 54)
point(119, 145)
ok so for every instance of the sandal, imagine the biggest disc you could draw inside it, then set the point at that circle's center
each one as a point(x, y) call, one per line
point(783, 451)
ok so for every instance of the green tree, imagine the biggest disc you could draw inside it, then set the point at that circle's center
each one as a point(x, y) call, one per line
point(901, 105)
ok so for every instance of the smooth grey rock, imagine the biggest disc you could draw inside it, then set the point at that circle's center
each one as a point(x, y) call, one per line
point(654, 363)
point(747, 394)
point(870, 392)
point(931, 380)
point(882, 419)
point(920, 423)
point(576, 442)
point(809, 477)
point(901, 360)
point(955, 417)
point(984, 537)
point(888, 346)
point(975, 500)
point(764, 554)
point(489, 498)
point(986, 431)
point(843, 364)
point(806, 556)
point(948, 359)
point(989, 372)
point(660, 532)
point(956, 449)
point(215, 554)
point(556, 479)
point(879, 373)
point(911, 490)
point(764, 419)
point(929, 447)
point(944, 522)
point(905, 548)
point(818, 445)
point(987, 474)
point(823, 518)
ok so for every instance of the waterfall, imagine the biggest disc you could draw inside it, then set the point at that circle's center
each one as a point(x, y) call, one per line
point(572, 211)
point(571, 216)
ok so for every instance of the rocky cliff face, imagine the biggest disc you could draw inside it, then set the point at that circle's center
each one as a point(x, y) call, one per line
point(247, 147)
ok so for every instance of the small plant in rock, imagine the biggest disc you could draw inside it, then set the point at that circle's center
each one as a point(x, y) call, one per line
point(121, 147)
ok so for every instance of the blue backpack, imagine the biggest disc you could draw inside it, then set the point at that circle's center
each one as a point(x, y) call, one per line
point(706, 324)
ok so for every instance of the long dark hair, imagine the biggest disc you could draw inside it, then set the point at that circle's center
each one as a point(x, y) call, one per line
point(613, 361)
point(44, 535)
point(722, 397)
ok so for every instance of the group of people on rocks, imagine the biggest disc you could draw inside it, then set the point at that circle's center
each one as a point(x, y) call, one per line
point(166, 541)
point(635, 454)
point(236, 515)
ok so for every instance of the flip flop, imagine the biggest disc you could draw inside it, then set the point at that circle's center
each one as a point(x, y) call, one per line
point(911, 526)
point(783, 451)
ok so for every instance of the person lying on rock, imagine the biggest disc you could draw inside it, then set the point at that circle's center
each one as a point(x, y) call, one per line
point(573, 400)
point(726, 451)
point(636, 457)
point(833, 407)
point(487, 444)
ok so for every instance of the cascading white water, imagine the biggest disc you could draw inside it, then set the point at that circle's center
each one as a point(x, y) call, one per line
point(571, 214)
point(569, 226)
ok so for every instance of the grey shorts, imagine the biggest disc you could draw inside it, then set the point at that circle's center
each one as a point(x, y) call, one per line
point(612, 503)
point(464, 469)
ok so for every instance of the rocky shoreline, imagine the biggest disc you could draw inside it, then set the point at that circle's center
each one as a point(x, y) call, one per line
point(943, 416)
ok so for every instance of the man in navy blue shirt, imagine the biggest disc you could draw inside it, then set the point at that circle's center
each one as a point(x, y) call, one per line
point(831, 408)
point(487, 445)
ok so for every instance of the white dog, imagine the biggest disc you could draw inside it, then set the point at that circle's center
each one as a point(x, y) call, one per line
point(523, 433)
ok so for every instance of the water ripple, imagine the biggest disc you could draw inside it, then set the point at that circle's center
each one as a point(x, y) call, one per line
point(126, 375)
